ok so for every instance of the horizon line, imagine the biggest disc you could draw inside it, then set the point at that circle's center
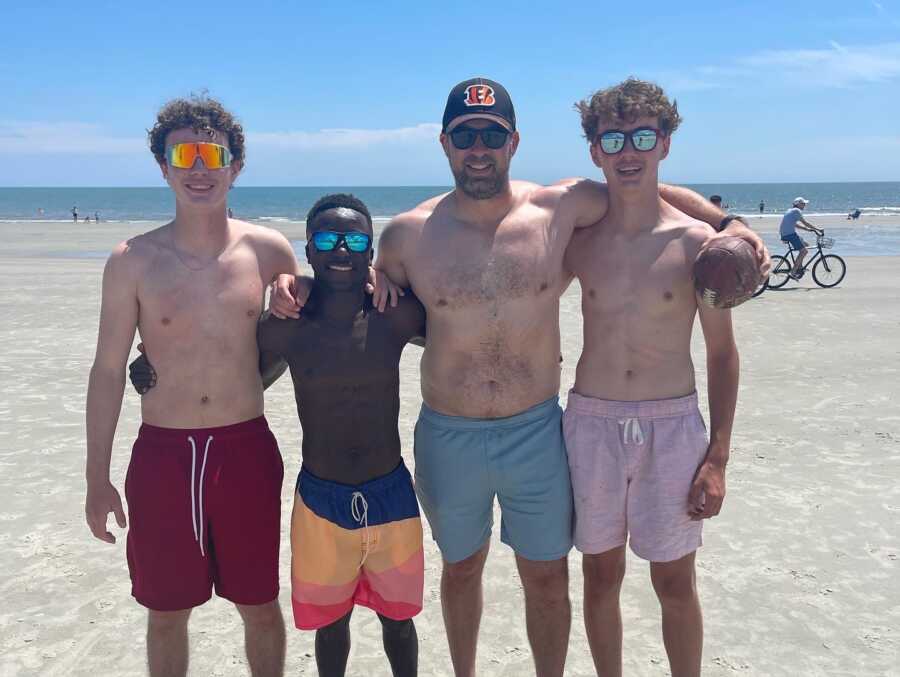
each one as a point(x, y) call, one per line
point(437, 185)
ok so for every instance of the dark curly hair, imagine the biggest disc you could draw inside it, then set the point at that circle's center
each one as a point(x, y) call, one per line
point(334, 201)
point(199, 112)
point(626, 102)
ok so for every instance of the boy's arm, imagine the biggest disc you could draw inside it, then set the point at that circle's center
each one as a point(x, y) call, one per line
point(118, 322)
point(692, 203)
point(722, 372)
point(271, 362)
point(288, 295)
point(696, 206)
point(389, 259)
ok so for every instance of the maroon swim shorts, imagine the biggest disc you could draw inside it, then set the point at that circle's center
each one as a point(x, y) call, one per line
point(204, 509)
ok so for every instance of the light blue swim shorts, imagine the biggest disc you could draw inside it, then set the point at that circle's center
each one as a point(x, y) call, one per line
point(462, 463)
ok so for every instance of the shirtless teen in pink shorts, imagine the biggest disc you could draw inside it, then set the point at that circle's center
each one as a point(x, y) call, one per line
point(641, 465)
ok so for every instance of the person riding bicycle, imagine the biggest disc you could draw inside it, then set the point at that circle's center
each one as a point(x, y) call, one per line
point(793, 219)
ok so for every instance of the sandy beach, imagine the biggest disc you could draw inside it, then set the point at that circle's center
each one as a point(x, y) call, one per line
point(798, 575)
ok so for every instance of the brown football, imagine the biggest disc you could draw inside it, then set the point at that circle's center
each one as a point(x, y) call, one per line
point(726, 273)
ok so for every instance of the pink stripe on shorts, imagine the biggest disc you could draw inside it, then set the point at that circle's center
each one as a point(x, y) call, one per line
point(632, 465)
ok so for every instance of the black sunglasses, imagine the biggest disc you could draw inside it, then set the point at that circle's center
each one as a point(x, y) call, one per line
point(644, 139)
point(492, 137)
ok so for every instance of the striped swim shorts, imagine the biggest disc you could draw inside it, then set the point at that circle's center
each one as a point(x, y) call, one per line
point(355, 545)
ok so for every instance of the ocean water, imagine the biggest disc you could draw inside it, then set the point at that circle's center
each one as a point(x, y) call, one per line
point(158, 204)
point(274, 205)
point(291, 204)
point(824, 198)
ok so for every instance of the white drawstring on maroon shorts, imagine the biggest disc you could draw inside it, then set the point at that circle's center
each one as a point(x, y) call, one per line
point(197, 506)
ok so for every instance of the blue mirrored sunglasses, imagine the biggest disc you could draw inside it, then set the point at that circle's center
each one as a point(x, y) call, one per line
point(328, 240)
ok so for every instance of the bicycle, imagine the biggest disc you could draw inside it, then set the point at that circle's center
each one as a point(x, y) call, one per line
point(827, 269)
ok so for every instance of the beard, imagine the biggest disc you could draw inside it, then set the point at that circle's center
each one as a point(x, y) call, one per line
point(482, 187)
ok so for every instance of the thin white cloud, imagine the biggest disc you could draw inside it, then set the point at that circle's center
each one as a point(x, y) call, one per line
point(883, 14)
point(91, 139)
point(839, 66)
point(65, 138)
point(327, 139)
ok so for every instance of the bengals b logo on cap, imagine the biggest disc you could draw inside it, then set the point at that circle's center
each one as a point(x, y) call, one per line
point(480, 95)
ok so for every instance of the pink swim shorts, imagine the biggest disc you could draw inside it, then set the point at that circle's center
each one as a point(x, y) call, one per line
point(632, 466)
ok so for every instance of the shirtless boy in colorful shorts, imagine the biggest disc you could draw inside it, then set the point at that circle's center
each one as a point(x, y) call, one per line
point(356, 534)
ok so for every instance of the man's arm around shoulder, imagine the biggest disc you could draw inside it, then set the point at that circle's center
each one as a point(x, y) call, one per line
point(691, 203)
point(696, 206)
point(118, 322)
point(584, 201)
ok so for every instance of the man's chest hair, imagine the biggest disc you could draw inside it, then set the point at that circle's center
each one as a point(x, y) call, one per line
point(480, 270)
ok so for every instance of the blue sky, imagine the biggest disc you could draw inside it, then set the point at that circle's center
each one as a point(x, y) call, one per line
point(352, 94)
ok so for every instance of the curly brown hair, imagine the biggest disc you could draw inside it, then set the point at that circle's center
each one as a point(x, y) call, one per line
point(199, 112)
point(626, 102)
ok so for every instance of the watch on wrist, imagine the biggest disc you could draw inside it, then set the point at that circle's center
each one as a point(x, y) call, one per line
point(723, 224)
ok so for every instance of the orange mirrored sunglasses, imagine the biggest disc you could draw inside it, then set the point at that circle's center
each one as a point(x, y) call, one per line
point(184, 155)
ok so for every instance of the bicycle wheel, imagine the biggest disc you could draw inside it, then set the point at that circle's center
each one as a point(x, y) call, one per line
point(780, 273)
point(761, 288)
point(829, 270)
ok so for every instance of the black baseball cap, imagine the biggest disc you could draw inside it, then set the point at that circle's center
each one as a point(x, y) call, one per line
point(479, 97)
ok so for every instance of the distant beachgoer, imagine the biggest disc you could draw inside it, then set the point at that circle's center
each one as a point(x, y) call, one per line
point(87, 219)
point(230, 213)
point(854, 214)
point(75, 214)
point(716, 200)
point(793, 219)
point(96, 217)
point(762, 206)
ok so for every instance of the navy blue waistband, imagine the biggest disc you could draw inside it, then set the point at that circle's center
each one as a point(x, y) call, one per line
point(388, 498)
